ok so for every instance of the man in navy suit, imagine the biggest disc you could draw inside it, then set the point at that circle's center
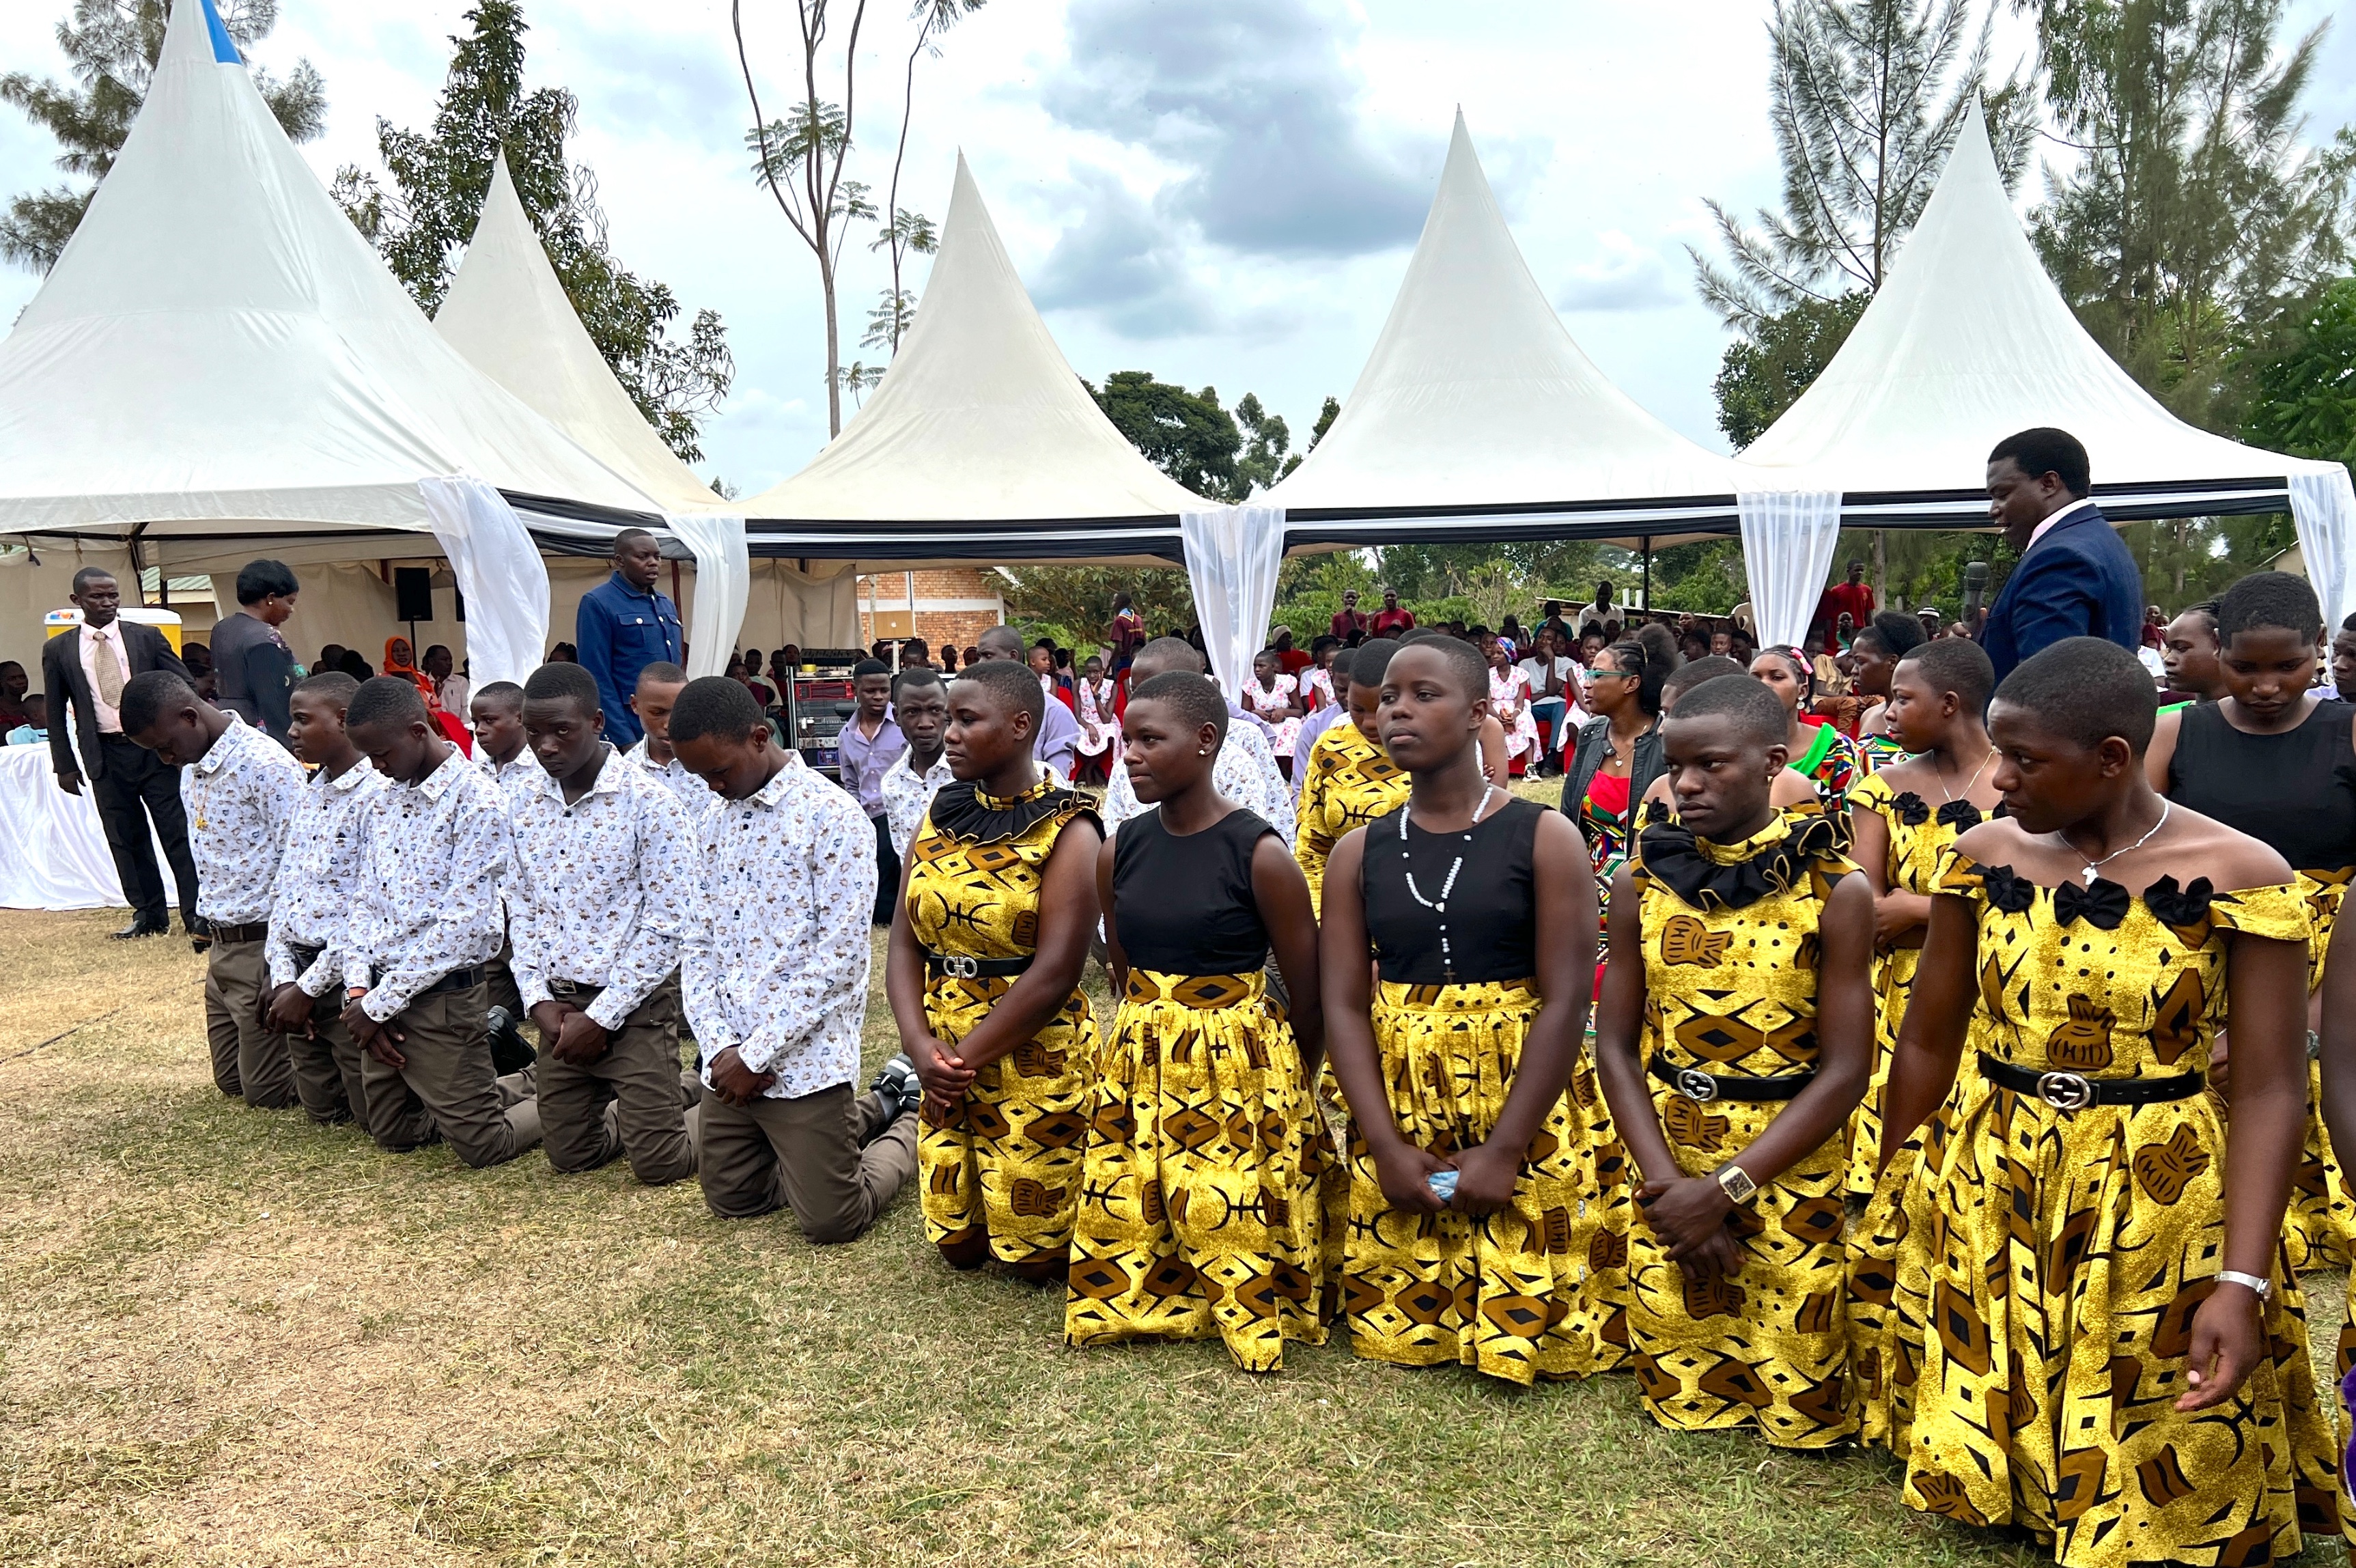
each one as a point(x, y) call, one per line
point(2075, 577)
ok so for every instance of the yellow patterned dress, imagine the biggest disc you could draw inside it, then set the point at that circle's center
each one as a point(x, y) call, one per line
point(1728, 935)
point(1919, 833)
point(1347, 782)
point(2321, 1220)
point(1498, 1292)
point(1006, 1163)
point(1200, 1211)
point(2048, 1262)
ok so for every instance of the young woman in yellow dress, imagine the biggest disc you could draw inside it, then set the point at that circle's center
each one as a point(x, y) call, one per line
point(997, 906)
point(1454, 1064)
point(1734, 1037)
point(2105, 1347)
point(1902, 819)
point(1349, 779)
point(1199, 1207)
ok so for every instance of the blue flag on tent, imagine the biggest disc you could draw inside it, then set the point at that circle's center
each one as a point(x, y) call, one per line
point(224, 47)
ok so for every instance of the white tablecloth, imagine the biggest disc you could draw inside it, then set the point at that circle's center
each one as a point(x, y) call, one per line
point(53, 852)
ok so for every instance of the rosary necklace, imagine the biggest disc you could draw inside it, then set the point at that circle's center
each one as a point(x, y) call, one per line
point(2094, 865)
point(1447, 885)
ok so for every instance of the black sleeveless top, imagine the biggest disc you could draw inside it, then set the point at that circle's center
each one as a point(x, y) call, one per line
point(2294, 792)
point(1490, 924)
point(1184, 906)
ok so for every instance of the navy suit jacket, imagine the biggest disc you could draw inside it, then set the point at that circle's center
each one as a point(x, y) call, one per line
point(2080, 580)
point(618, 632)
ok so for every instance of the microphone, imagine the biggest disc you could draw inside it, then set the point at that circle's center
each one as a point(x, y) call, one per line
point(1975, 581)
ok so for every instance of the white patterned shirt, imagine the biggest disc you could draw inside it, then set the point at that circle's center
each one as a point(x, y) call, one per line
point(777, 961)
point(427, 901)
point(601, 889)
point(685, 788)
point(318, 876)
point(1245, 773)
point(240, 796)
point(517, 772)
point(907, 797)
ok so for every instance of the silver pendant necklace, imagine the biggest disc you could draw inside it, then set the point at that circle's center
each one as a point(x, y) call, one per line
point(2094, 865)
point(1447, 884)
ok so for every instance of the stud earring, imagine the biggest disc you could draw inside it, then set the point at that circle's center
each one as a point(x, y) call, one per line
point(1205, 752)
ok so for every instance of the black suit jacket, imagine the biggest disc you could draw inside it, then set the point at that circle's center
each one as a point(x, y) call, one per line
point(61, 671)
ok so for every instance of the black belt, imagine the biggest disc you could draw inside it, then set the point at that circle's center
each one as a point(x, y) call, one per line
point(573, 990)
point(1694, 1084)
point(2075, 1091)
point(957, 966)
point(456, 979)
point(259, 932)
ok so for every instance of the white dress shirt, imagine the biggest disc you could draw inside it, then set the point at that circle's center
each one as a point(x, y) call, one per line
point(240, 797)
point(519, 770)
point(1245, 772)
point(685, 788)
point(777, 957)
point(431, 856)
point(601, 889)
point(907, 797)
point(103, 642)
point(318, 876)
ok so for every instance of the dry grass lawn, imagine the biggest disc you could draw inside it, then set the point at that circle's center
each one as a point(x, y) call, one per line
point(230, 1337)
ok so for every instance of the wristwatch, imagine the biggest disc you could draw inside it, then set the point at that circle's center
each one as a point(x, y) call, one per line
point(2258, 1286)
point(1736, 1183)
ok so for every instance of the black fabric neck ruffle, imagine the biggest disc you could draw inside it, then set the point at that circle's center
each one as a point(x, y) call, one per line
point(963, 811)
point(1674, 856)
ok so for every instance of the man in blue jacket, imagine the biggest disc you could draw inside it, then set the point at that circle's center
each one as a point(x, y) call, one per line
point(624, 625)
point(2075, 577)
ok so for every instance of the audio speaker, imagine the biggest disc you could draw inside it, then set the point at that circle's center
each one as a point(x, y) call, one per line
point(412, 591)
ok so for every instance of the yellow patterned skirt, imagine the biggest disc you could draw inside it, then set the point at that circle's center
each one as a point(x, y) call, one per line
point(1603, 1208)
point(1893, 984)
point(1005, 1164)
point(2319, 1226)
point(1766, 1348)
point(1200, 1207)
point(1500, 1291)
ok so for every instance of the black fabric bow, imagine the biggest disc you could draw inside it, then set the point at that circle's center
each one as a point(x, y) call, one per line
point(2174, 906)
point(2101, 904)
point(1671, 855)
point(1913, 810)
point(1959, 815)
point(2011, 894)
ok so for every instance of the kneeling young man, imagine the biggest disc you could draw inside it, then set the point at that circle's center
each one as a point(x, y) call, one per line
point(1734, 1038)
point(597, 906)
point(425, 921)
point(774, 978)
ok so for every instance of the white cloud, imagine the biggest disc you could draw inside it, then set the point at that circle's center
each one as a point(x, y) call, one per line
point(1624, 276)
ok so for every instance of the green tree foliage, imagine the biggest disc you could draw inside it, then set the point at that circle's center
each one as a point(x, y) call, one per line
point(2192, 217)
point(113, 46)
point(1764, 371)
point(2304, 394)
point(1073, 605)
point(1267, 440)
point(904, 233)
point(1186, 435)
point(440, 179)
point(1866, 98)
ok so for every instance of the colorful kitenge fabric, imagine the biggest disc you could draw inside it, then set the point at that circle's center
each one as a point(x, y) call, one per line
point(2321, 1220)
point(1876, 752)
point(1200, 1206)
point(2041, 1267)
point(1728, 935)
point(1494, 1291)
point(1604, 820)
point(1006, 1163)
point(1349, 782)
point(1829, 764)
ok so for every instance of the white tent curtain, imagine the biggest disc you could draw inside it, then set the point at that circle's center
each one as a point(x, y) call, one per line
point(2323, 505)
point(1788, 538)
point(724, 583)
point(1233, 555)
point(499, 571)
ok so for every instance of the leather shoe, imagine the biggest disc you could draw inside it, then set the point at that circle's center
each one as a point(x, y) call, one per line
point(142, 926)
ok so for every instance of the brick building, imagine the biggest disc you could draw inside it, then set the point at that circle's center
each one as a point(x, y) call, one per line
point(952, 604)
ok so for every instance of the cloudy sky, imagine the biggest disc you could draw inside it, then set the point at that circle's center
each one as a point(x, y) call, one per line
point(1218, 191)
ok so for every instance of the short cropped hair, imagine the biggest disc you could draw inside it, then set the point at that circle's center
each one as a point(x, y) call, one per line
point(1757, 712)
point(257, 580)
point(1957, 664)
point(662, 672)
point(505, 693)
point(1465, 665)
point(554, 680)
point(713, 704)
point(1694, 671)
point(2269, 601)
point(914, 675)
point(1344, 662)
point(866, 667)
point(1010, 683)
point(1002, 640)
point(630, 536)
point(1896, 633)
point(387, 699)
point(333, 685)
point(1168, 653)
point(1196, 699)
point(2085, 690)
point(1373, 660)
point(146, 696)
point(2046, 450)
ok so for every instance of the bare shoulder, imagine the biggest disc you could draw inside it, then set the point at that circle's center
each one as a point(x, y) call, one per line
point(2230, 859)
point(1994, 843)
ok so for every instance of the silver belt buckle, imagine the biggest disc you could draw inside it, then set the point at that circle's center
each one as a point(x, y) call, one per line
point(1696, 1084)
point(2065, 1090)
point(957, 966)
point(559, 987)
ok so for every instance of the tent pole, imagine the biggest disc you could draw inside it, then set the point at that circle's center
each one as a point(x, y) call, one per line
point(1648, 573)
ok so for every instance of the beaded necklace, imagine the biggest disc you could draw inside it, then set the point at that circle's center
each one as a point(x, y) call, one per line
point(1447, 884)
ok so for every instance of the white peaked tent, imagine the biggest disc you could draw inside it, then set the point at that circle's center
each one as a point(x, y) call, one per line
point(510, 316)
point(980, 444)
point(1967, 342)
point(219, 356)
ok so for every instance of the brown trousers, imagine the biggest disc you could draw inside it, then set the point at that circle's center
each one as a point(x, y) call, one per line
point(447, 1089)
point(248, 1059)
point(827, 1156)
point(627, 1102)
point(328, 1078)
